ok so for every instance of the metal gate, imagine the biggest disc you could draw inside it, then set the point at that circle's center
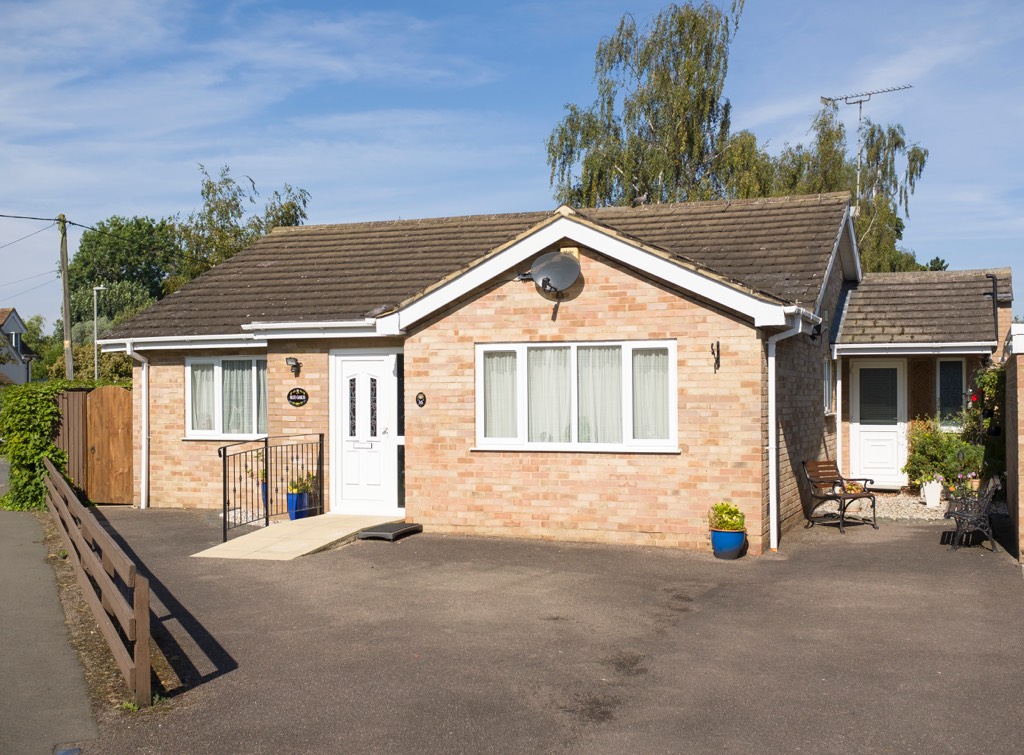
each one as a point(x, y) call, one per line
point(273, 477)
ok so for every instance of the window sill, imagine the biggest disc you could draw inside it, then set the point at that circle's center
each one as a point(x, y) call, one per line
point(580, 449)
point(229, 438)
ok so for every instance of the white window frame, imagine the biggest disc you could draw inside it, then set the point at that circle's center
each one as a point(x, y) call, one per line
point(217, 432)
point(829, 407)
point(947, 425)
point(628, 445)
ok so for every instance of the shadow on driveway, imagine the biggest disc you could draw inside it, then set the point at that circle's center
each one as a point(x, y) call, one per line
point(194, 655)
point(839, 643)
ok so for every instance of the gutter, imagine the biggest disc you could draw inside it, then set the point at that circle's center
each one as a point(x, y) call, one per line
point(144, 481)
point(796, 315)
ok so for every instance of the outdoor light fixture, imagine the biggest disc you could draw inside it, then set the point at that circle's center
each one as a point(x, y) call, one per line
point(295, 364)
point(816, 332)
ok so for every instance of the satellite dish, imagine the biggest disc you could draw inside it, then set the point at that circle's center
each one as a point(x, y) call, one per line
point(555, 272)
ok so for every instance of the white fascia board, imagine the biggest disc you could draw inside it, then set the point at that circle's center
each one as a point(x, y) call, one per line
point(763, 313)
point(922, 349)
point(858, 273)
point(276, 331)
point(845, 227)
point(176, 343)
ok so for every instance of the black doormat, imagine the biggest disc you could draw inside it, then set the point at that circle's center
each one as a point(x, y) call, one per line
point(390, 532)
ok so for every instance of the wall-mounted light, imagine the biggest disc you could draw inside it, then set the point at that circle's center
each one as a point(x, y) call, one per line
point(815, 332)
point(295, 365)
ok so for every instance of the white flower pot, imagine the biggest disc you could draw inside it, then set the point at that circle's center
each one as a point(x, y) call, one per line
point(932, 493)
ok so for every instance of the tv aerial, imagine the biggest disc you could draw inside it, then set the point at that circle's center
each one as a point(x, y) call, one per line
point(859, 99)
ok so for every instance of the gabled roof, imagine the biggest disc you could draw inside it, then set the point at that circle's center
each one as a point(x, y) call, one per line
point(778, 249)
point(926, 308)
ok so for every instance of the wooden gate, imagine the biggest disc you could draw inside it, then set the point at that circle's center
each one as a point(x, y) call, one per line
point(96, 433)
point(110, 445)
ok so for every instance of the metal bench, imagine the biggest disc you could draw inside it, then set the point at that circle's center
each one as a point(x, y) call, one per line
point(827, 484)
point(972, 513)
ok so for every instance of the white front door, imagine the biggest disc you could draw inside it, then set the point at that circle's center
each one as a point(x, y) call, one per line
point(878, 430)
point(366, 434)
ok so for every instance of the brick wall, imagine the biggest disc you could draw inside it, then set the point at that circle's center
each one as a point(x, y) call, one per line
point(649, 499)
point(187, 473)
point(805, 432)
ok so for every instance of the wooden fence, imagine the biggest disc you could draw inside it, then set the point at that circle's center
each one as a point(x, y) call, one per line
point(117, 595)
point(96, 432)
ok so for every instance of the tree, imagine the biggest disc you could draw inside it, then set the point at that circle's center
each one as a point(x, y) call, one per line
point(892, 167)
point(659, 132)
point(220, 229)
point(121, 249)
point(659, 128)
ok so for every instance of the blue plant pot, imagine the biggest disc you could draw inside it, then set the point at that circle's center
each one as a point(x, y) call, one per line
point(298, 505)
point(728, 543)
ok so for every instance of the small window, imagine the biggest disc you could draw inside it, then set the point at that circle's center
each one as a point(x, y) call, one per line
point(951, 390)
point(577, 396)
point(225, 397)
point(827, 380)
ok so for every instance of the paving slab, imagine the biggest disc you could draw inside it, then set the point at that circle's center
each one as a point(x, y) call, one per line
point(283, 541)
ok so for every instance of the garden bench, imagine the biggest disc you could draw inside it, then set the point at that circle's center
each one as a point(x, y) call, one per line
point(827, 484)
point(972, 513)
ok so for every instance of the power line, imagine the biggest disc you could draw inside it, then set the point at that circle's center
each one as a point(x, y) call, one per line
point(22, 280)
point(26, 217)
point(12, 243)
point(15, 296)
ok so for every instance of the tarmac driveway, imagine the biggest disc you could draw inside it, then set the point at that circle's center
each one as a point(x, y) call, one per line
point(870, 642)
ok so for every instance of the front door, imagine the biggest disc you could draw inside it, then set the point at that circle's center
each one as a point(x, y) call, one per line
point(878, 431)
point(366, 434)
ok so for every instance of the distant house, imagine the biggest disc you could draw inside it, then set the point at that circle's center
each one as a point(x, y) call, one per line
point(704, 350)
point(15, 365)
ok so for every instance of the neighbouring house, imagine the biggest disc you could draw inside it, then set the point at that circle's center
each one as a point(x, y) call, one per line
point(15, 356)
point(694, 358)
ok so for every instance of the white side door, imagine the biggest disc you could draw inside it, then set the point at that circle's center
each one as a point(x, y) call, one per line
point(878, 430)
point(365, 440)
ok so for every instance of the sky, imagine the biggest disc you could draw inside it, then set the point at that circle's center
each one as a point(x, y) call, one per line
point(430, 109)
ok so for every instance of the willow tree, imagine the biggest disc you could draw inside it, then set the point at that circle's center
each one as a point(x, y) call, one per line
point(892, 167)
point(659, 128)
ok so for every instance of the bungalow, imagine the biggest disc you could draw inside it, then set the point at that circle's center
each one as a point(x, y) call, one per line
point(591, 375)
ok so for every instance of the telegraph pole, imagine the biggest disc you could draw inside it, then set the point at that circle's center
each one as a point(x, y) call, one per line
point(859, 99)
point(69, 364)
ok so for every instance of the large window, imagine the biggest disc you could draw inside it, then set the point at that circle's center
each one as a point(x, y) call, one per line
point(951, 389)
point(225, 397)
point(577, 396)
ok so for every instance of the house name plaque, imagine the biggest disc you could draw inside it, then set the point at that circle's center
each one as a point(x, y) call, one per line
point(298, 397)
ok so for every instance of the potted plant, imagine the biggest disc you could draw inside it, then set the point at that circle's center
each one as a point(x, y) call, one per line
point(728, 535)
point(931, 489)
point(298, 496)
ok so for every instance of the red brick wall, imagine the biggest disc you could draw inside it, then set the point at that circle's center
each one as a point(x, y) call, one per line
point(649, 499)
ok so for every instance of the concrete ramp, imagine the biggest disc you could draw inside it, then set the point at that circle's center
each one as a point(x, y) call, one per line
point(283, 541)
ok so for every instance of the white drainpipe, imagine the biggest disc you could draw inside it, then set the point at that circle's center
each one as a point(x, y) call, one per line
point(773, 430)
point(130, 350)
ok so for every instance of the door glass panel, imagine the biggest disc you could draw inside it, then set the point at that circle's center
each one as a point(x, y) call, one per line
point(352, 407)
point(373, 407)
point(878, 396)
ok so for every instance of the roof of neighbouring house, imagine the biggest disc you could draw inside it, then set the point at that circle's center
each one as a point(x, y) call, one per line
point(5, 312)
point(953, 306)
point(780, 247)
